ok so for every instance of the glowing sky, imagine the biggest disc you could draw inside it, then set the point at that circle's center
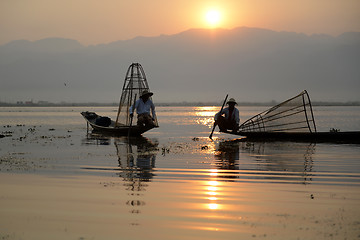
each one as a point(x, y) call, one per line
point(94, 22)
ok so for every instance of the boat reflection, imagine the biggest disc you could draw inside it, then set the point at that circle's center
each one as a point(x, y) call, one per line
point(227, 155)
point(281, 156)
point(269, 161)
point(96, 139)
point(136, 158)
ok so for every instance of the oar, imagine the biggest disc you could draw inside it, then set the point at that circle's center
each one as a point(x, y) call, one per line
point(131, 117)
point(220, 112)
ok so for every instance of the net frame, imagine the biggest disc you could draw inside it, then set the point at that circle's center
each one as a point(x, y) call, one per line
point(134, 84)
point(292, 115)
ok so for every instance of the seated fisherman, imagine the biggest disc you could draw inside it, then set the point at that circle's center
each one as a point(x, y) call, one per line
point(143, 106)
point(231, 119)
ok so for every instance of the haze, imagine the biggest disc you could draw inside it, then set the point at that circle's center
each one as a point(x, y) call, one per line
point(79, 51)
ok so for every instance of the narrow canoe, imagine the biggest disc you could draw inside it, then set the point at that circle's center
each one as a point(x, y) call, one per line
point(121, 130)
point(336, 137)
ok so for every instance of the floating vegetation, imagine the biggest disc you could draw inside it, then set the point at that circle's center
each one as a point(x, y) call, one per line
point(14, 163)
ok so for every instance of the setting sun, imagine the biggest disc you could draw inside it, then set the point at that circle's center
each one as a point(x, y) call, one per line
point(213, 17)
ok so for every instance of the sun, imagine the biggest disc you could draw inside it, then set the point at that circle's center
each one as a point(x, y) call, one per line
point(213, 17)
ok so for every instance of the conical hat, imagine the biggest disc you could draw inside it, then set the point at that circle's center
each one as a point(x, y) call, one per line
point(146, 92)
point(231, 100)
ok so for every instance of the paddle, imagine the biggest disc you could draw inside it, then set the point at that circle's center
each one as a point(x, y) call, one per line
point(220, 111)
point(132, 116)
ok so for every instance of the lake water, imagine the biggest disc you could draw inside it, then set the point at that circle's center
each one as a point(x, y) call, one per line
point(59, 182)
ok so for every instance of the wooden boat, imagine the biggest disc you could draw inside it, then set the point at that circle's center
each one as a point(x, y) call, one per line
point(291, 120)
point(135, 83)
point(330, 137)
point(122, 130)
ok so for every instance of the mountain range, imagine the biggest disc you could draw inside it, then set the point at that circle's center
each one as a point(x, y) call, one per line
point(249, 64)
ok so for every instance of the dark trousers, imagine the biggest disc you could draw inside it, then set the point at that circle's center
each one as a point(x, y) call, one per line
point(226, 124)
point(145, 120)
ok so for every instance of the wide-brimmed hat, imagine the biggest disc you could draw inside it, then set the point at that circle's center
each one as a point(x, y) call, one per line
point(146, 92)
point(231, 100)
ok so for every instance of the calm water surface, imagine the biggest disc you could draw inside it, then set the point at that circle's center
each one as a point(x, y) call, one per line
point(174, 182)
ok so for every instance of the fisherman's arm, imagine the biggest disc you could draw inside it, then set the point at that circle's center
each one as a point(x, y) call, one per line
point(217, 115)
point(237, 116)
point(153, 110)
point(221, 112)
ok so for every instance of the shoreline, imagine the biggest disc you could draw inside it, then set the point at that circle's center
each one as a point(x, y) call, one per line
point(176, 104)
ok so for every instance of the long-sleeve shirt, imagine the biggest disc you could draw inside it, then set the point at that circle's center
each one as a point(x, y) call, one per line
point(143, 107)
point(234, 115)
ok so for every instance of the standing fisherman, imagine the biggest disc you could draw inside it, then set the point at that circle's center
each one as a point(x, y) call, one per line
point(143, 106)
point(231, 119)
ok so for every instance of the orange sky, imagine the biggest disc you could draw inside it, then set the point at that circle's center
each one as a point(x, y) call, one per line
point(94, 22)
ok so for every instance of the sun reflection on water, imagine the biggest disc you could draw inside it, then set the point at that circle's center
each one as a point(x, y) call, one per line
point(212, 190)
point(205, 115)
point(213, 206)
point(206, 111)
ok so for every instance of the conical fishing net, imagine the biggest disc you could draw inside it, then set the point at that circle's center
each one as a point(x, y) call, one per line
point(293, 115)
point(135, 83)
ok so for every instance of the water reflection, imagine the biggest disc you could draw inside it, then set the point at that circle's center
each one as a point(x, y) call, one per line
point(205, 115)
point(227, 155)
point(136, 156)
point(277, 161)
point(237, 160)
point(212, 191)
point(96, 139)
point(279, 156)
point(136, 160)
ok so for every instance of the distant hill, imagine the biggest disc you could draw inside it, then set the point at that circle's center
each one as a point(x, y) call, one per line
point(197, 65)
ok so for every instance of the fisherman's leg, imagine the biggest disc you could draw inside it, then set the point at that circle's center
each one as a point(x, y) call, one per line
point(149, 122)
point(221, 122)
point(141, 120)
point(233, 126)
point(230, 125)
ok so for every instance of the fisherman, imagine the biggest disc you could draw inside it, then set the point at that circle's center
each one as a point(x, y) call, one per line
point(143, 106)
point(231, 119)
